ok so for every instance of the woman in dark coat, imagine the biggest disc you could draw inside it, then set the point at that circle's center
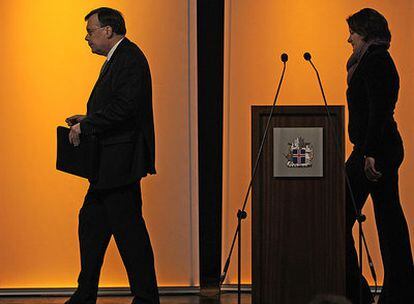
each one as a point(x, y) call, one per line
point(372, 168)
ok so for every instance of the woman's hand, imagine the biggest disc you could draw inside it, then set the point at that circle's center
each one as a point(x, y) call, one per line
point(369, 168)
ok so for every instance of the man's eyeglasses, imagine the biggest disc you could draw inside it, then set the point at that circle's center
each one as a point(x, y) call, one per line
point(91, 31)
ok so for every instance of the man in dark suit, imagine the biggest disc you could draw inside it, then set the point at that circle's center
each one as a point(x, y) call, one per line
point(119, 113)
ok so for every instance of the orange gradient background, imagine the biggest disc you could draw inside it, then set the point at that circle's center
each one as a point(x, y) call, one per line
point(47, 73)
point(257, 32)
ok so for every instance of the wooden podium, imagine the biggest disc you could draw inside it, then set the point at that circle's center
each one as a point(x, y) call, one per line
point(298, 207)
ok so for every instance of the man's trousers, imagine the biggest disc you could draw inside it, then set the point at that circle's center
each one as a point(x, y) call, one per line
point(115, 212)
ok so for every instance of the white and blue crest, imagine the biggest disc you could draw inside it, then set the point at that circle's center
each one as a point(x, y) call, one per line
point(300, 154)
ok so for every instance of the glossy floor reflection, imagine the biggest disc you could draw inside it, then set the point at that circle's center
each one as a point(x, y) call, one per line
point(226, 298)
point(175, 299)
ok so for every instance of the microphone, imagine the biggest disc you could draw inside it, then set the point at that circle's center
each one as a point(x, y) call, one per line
point(307, 56)
point(284, 58)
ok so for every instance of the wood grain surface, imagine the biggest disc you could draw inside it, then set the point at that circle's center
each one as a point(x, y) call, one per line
point(298, 223)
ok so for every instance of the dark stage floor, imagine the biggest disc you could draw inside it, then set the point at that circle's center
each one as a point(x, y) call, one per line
point(228, 298)
point(176, 299)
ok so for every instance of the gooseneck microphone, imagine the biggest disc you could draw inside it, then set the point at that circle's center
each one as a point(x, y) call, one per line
point(360, 217)
point(308, 57)
point(241, 214)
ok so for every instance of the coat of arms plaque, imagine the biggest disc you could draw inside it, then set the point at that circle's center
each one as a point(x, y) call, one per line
point(298, 152)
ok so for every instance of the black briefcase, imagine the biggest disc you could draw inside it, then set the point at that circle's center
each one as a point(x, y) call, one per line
point(81, 160)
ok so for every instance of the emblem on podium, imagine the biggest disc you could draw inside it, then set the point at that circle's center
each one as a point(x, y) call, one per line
point(300, 154)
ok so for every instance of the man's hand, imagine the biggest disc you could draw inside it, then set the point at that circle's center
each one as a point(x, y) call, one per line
point(73, 120)
point(370, 172)
point(74, 133)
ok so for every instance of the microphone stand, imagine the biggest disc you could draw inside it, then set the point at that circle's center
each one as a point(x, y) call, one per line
point(241, 213)
point(359, 216)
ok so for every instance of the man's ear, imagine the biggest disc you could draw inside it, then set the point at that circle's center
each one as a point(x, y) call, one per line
point(109, 32)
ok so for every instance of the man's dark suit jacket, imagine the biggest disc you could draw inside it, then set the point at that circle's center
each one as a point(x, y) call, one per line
point(119, 113)
point(372, 95)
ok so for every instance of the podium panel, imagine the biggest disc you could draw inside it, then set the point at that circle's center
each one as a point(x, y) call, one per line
point(298, 205)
